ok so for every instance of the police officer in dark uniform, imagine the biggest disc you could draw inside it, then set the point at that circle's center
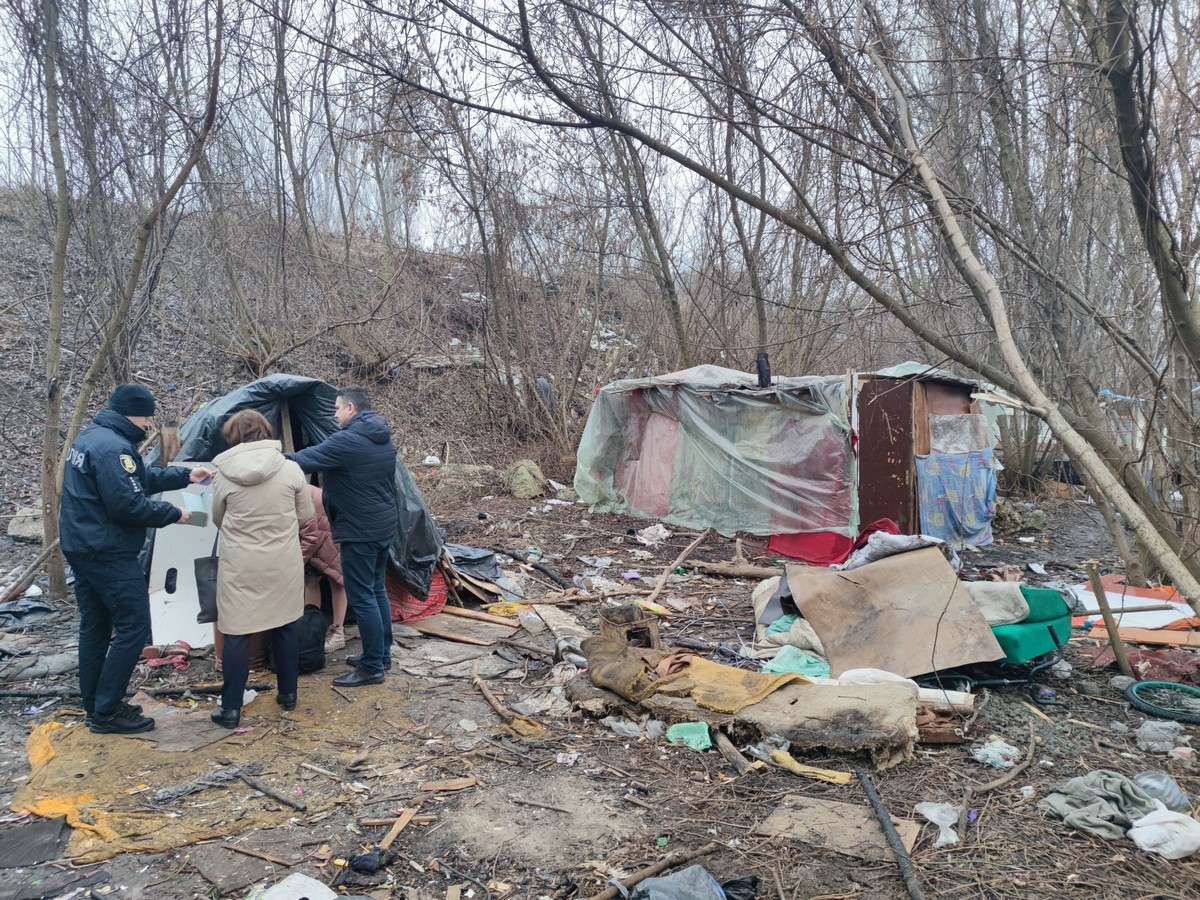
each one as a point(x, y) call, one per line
point(105, 511)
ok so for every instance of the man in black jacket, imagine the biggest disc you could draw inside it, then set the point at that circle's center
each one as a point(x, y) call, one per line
point(103, 517)
point(359, 496)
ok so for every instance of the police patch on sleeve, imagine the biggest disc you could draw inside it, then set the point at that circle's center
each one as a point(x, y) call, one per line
point(128, 463)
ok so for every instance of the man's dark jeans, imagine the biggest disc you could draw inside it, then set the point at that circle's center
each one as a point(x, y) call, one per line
point(364, 569)
point(114, 626)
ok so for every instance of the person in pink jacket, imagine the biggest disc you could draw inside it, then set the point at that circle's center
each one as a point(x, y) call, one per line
point(322, 560)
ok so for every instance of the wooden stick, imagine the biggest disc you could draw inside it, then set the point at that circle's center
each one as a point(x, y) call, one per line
point(731, 570)
point(521, 802)
point(1093, 571)
point(398, 826)
point(1161, 607)
point(334, 775)
point(259, 855)
point(731, 753)
point(667, 862)
point(381, 823)
point(260, 785)
point(26, 577)
point(662, 578)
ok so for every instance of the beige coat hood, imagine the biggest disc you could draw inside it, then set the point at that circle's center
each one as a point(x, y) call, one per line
point(252, 463)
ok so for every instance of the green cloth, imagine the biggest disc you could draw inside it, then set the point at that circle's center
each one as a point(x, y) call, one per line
point(782, 625)
point(792, 659)
point(693, 735)
point(1102, 803)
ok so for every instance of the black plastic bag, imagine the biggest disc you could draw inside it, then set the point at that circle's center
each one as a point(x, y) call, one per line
point(743, 887)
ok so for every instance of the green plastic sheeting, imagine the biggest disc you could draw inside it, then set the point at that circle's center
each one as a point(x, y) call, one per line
point(793, 659)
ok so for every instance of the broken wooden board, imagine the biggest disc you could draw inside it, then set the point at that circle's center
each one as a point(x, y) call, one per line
point(464, 631)
point(1156, 636)
point(906, 614)
point(877, 719)
point(228, 871)
point(179, 730)
point(845, 828)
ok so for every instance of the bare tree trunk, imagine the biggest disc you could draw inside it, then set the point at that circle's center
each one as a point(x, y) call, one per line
point(58, 269)
point(985, 287)
point(117, 322)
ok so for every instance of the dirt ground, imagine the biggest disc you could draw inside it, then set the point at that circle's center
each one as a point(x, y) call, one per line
point(557, 815)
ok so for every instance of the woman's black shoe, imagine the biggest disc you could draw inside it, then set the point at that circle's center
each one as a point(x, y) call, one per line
point(287, 701)
point(227, 718)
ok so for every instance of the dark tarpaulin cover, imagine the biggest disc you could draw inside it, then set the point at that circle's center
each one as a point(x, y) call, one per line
point(418, 541)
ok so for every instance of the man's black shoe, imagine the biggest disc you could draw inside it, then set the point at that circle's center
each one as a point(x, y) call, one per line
point(287, 701)
point(227, 718)
point(123, 721)
point(357, 678)
point(132, 707)
point(356, 660)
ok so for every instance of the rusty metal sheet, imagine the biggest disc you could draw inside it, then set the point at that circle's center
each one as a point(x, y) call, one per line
point(887, 480)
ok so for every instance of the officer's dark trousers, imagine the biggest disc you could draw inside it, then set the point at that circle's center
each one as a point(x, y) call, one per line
point(114, 626)
point(235, 663)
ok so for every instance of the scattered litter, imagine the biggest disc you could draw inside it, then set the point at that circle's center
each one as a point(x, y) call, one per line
point(596, 562)
point(1026, 791)
point(692, 883)
point(1037, 569)
point(693, 735)
point(1118, 727)
point(531, 621)
point(1169, 834)
point(1120, 682)
point(652, 535)
point(1062, 670)
point(628, 728)
point(297, 886)
point(774, 750)
point(1102, 802)
point(1159, 737)
point(1027, 540)
point(468, 725)
point(1183, 754)
point(945, 816)
point(997, 753)
point(371, 862)
point(792, 659)
point(632, 575)
point(1164, 788)
point(567, 759)
point(431, 460)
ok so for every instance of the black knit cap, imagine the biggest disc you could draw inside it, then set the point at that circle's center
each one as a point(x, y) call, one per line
point(131, 400)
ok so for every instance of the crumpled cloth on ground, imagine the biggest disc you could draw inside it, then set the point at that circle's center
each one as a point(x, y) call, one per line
point(1001, 602)
point(1103, 803)
point(1169, 834)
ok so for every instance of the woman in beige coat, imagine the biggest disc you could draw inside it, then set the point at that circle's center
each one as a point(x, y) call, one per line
point(260, 500)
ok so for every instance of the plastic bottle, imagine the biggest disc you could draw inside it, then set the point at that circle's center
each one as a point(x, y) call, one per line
point(1163, 787)
point(531, 621)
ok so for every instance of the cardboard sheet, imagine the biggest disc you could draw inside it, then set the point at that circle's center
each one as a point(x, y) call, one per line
point(906, 614)
point(846, 828)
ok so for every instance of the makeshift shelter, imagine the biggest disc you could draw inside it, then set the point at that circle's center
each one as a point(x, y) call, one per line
point(300, 410)
point(808, 460)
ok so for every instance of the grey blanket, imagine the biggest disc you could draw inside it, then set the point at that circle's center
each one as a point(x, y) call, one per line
point(1102, 803)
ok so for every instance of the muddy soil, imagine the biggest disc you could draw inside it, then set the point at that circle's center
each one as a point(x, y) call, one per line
point(558, 814)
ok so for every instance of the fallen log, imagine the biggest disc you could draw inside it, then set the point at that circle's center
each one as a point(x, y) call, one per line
point(734, 570)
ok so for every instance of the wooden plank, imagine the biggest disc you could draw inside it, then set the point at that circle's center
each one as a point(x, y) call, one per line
point(1155, 636)
point(446, 785)
point(481, 616)
point(398, 826)
point(464, 631)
